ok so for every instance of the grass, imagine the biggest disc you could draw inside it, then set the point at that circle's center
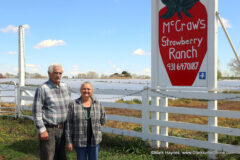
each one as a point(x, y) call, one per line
point(19, 141)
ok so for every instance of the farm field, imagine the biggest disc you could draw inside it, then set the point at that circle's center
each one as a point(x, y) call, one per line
point(129, 84)
point(122, 84)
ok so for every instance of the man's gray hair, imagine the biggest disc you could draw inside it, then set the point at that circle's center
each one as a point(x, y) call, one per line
point(50, 68)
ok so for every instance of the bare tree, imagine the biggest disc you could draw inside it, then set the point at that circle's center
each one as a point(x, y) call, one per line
point(92, 75)
point(103, 76)
point(82, 76)
point(234, 67)
point(9, 75)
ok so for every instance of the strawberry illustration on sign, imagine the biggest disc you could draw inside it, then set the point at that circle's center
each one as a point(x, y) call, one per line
point(183, 39)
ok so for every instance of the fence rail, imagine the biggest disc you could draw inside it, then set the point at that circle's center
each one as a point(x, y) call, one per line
point(3, 90)
point(162, 109)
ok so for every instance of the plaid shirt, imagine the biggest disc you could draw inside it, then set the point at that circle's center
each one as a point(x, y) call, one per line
point(50, 105)
point(76, 126)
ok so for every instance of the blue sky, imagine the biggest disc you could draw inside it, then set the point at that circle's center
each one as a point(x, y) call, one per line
point(105, 36)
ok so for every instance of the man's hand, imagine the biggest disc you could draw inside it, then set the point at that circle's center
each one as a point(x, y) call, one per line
point(70, 147)
point(44, 136)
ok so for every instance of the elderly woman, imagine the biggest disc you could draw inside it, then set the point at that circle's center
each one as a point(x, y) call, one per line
point(83, 127)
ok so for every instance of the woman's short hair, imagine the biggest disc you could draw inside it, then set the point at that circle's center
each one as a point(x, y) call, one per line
point(51, 67)
point(86, 82)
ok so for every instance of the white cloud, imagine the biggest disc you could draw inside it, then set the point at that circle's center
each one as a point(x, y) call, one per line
point(26, 26)
point(13, 29)
point(225, 23)
point(49, 43)
point(141, 52)
point(33, 67)
point(12, 52)
point(10, 29)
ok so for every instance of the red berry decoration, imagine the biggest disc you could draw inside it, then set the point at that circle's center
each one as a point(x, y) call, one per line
point(183, 39)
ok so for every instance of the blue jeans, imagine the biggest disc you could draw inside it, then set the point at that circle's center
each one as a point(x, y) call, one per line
point(90, 151)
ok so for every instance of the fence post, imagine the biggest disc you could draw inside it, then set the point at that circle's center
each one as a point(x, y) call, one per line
point(212, 121)
point(212, 70)
point(19, 102)
point(145, 115)
point(0, 102)
point(155, 116)
point(16, 99)
point(164, 117)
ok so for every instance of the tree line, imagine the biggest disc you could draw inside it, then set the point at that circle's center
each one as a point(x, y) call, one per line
point(88, 75)
point(124, 74)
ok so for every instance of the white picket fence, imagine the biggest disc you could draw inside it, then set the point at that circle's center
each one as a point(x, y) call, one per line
point(160, 125)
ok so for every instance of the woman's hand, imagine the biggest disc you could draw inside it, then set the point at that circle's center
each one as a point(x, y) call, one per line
point(70, 147)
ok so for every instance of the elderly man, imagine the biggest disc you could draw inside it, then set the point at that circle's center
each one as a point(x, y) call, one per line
point(50, 109)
